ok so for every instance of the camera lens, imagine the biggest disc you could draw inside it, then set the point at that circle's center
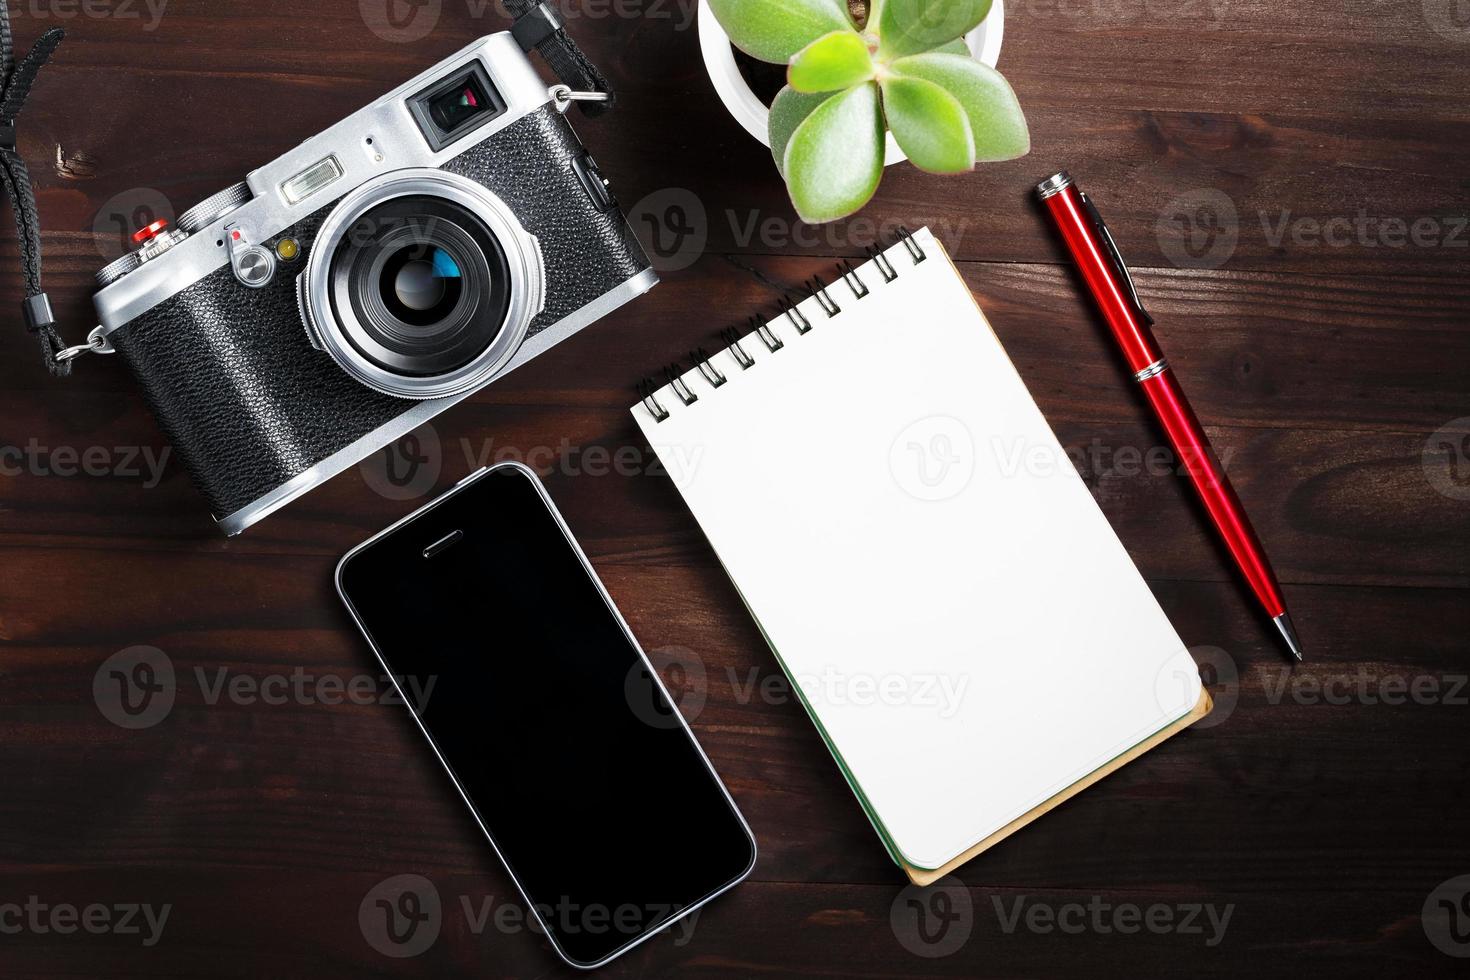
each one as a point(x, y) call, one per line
point(424, 285)
point(421, 284)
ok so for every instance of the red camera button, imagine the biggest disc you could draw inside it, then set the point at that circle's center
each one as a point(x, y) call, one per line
point(149, 231)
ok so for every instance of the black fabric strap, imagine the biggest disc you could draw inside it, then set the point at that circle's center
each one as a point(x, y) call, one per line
point(15, 85)
point(538, 26)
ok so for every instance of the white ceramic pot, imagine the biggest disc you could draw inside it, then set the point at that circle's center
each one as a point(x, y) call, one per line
point(753, 114)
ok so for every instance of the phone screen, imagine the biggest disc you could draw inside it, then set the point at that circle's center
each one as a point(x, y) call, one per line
point(539, 704)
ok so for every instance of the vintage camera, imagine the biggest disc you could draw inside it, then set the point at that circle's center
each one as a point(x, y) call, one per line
point(362, 283)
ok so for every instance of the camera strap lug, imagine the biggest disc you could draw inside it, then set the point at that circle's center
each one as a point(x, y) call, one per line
point(537, 26)
point(97, 343)
point(562, 97)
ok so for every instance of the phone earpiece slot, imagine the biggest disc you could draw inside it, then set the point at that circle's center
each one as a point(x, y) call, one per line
point(443, 543)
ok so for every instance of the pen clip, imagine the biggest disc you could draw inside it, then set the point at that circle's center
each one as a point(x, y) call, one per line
point(1115, 256)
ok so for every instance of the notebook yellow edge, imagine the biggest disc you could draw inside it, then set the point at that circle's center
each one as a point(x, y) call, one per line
point(922, 876)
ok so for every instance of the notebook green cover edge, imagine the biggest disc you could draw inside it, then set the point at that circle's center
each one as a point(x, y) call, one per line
point(868, 810)
point(811, 713)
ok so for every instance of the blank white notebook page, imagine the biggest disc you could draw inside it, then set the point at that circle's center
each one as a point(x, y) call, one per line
point(922, 557)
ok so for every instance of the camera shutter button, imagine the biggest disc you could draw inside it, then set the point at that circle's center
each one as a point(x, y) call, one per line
point(149, 231)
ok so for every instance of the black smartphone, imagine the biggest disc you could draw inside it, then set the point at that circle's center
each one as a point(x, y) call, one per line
point(547, 715)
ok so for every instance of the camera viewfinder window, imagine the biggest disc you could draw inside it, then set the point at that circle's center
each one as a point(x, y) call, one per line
point(453, 107)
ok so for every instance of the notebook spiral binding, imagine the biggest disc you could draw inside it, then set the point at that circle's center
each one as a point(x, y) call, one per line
point(700, 359)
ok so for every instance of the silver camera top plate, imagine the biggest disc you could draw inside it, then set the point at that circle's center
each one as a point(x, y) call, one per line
point(375, 140)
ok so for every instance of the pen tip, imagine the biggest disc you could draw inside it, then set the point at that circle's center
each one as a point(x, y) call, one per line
point(1288, 633)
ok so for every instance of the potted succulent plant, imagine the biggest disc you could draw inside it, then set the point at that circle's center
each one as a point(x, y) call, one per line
point(860, 70)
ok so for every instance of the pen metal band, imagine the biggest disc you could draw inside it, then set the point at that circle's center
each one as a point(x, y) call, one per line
point(1054, 184)
point(1153, 370)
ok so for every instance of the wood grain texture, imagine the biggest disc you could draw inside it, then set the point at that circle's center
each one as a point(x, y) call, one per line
point(1265, 166)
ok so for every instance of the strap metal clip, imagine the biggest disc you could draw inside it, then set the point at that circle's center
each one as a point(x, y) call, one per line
point(562, 96)
point(97, 343)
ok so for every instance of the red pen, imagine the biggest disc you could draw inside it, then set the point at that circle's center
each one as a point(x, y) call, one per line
point(1091, 245)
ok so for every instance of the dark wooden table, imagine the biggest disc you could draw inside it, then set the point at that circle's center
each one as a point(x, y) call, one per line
point(1290, 181)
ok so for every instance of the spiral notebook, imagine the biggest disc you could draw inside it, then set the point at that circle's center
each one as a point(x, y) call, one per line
point(957, 616)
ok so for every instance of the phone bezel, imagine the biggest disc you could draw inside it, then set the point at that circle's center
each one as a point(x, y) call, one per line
point(612, 608)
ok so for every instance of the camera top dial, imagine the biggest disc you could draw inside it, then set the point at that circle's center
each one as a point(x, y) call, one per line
point(156, 238)
point(214, 207)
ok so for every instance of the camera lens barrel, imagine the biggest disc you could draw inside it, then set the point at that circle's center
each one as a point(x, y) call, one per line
point(422, 284)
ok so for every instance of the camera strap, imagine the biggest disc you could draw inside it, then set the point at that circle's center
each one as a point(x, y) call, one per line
point(15, 85)
point(538, 27)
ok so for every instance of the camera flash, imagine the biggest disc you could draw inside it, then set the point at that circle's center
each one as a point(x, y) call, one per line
point(311, 180)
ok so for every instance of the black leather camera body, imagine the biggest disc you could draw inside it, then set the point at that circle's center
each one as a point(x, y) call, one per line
point(370, 278)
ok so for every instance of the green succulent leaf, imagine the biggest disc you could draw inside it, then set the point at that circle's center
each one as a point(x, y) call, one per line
point(957, 46)
point(834, 159)
point(788, 110)
point(930, 125)
point(774, 30)
point(906, 27)
point(833, 61)
point(996, 120)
